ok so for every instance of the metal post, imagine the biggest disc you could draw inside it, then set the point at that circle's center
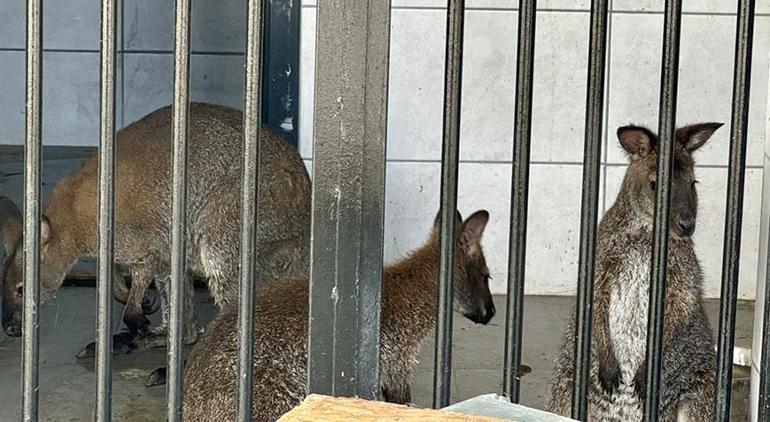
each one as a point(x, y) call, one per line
point(590, 206)
point(734, 212)
point(348, 197)
point(180, 131)
point(763, 412)
point(32, 147)
point(450, 157)
point(106, 211)
point(525, 60)
point(658, 267)
point(249, 210)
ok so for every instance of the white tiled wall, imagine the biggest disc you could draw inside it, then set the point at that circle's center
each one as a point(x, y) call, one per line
point(415, 101)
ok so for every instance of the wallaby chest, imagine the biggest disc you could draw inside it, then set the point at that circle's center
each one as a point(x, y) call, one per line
point(629, 298)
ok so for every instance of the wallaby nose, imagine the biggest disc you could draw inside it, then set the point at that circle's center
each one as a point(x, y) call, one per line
point(687, 226)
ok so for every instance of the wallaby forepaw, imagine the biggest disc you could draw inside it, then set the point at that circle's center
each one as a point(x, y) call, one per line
point(122, 344)
point(156, 377)
point(609, 378)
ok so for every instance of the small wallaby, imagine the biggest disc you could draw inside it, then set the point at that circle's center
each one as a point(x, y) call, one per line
point(143, 215)
point(280, 345)
point(621, 291)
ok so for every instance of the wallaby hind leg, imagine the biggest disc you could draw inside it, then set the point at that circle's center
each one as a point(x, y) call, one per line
point(156, 337)
point(398, 394)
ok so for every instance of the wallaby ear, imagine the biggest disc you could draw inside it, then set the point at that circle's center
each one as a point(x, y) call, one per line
point(694, 136)
point(45, 230)
point(637, 141)
point(473, 229)
point(437, 220)
point(10, 222)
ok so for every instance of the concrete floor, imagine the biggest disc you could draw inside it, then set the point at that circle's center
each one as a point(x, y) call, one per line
point(67, 392)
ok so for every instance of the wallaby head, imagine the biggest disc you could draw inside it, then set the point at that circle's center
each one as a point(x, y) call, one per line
point(472, 297)
point(11, 272)
point(640, 182)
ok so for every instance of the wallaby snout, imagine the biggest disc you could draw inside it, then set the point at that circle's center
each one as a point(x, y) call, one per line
point(482, 315)
point(686, 226)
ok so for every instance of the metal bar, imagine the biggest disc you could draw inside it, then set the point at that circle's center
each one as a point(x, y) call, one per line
point(249, 207)
point(450, 157)
point(734, 213)
point(348, 197)
point(32, 148)
point(180, 133)
point(763, 411)
point(658, 267)
point(106, 211)
point(525, 60)
point(589, 214)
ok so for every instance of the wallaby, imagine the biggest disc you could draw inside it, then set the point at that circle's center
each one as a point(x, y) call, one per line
point(143, 215)
point(620, 303)
point(280, 344)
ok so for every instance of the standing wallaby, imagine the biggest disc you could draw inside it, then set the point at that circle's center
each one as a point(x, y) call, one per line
point(143, 215)
point(280, 344)
point(621, 291)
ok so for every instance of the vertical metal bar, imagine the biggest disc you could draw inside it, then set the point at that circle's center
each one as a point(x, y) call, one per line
point(249, 210)
point(450, 157)
point(763, 412)
point(666, 130)
point(348, 197)
point(106, 211)
point(590, 206)
point(525, 60)
point(32, 148)
point(734, 214)
point(181, 126)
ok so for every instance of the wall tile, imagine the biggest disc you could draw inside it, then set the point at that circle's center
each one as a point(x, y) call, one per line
point(149, 82)
point(691, 6)
point(709, 235)
point(306, 81)
point(706, 75)
point(216, 26)
point(70, 98)
point(67, 24)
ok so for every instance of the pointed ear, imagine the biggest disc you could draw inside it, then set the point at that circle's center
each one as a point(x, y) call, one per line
point(45, 231)
point(10, 222)
point(437, 220)
point(637, 141)
point(694, 136)
point(473, 229)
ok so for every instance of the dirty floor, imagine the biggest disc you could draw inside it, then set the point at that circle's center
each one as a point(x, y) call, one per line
point(67, 386)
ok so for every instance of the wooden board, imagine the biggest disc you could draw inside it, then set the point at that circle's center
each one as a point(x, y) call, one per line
point(319, 408)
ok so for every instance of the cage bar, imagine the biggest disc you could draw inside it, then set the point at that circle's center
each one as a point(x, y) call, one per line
point(659, 263)
point(590, 205)
point(734, 213)
point(250, 210)
point(450, 157)
point(522, 128)
point(180, 132)
point(109, 19)
point(348, 197)
point(32, 149)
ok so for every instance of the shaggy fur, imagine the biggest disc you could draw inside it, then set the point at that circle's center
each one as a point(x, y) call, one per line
point(621, 288)
point(280, 345)
point(143, 214)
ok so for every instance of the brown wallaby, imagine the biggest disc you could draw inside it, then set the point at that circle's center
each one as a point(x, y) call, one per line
point(620, 303)
point(280, 345)
point(143, 215)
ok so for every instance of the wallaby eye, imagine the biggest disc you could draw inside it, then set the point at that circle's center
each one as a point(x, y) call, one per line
point(653, 185)
point(20, 291)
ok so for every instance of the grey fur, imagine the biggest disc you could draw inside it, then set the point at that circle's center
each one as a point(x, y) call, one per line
point(617, 372)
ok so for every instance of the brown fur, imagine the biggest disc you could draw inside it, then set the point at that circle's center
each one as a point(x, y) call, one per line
point(280, 346)
point(143, 213)
point(622, 274)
